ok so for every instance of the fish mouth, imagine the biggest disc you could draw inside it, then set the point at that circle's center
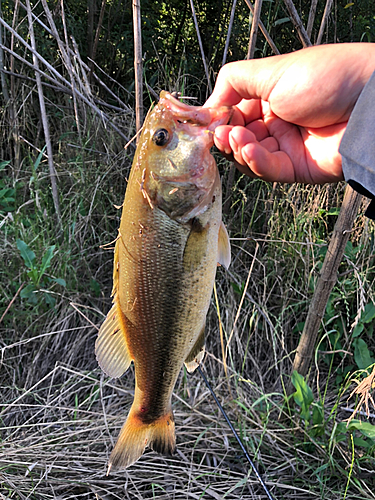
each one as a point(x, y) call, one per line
point(210, 118)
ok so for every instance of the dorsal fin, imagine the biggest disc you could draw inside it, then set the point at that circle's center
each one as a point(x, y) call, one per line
point(224, 256)
point(110, 347)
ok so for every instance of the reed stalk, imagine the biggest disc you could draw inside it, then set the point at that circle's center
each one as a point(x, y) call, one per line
point(138, 67)
point(51, 166)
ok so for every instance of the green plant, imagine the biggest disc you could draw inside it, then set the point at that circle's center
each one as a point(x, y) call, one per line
point(35, 291)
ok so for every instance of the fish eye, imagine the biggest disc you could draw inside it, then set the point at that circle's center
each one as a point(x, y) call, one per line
point(161, 137)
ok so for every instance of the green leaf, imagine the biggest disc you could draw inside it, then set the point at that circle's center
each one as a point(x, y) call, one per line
point(59, 281)
point(46, 261)
point(39, 159)
point(303, 395)
point(26, 253)
point(3, 164)
point(333, 211)
point(358, 330)
point(361, 442)
point(317, 415)
point(95, 287)
point(364, 428)
point(29, 294)
point(369, 313)
point(49, 299)
point(281, 21)
point(362, 354)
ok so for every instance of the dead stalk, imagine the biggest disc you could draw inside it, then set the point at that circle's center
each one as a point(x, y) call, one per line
point(52, 171)
point(263, 29)
point(229, 32)
point(310, 22)
point(254, 29)
point(138, 64)
point(326, 280)
point(297, 23)
point(327, 11)
point(201, 46)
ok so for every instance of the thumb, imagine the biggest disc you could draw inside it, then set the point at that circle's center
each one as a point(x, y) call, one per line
point(252, 79)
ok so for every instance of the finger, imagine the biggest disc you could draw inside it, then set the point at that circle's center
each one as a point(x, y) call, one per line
point(239, 137)
point(271, 144)
point(221, 139)
point(259, 129)
point(268, 166)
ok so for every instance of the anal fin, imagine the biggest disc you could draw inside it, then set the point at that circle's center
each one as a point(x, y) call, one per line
point(111, 350)
point(196, 355)
point(224, 256)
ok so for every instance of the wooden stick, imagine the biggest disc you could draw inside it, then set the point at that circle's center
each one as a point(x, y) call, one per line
point(138, 70)
point(327, 11)
point(52, 171)
point(297, 23)
point(229, 31)
point(310, 22)
point(254, 29)
point(326, 280)
point(263, 29)
point(201, 46)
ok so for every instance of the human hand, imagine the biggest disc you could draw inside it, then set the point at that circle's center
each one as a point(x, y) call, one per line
point(291, 111)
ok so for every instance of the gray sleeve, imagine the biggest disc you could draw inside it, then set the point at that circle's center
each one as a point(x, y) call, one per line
point(357, 146)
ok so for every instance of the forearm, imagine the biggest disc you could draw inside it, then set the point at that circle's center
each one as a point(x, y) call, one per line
point(357, 147)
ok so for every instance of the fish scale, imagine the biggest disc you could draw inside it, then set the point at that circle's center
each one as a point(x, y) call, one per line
point(170, 240)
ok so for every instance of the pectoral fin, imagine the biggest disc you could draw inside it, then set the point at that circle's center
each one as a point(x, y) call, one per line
point(224, 256)
point(196, 246)
point(111, 350)
point(196, 355)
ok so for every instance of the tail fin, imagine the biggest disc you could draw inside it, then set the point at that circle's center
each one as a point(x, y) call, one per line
point(136, 435)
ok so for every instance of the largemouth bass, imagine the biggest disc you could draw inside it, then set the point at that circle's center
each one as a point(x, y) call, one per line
point(170, 240)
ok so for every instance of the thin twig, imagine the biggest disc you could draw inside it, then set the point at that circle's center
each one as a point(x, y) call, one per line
point(254, 29)
point(297, 23)
point(138, 64)
point(12, 301)
point(263, 29)
point(59, 76)
point(52, 171)
point(201, 46)
point(310, 22)
point(327, 11)
point(229, 32)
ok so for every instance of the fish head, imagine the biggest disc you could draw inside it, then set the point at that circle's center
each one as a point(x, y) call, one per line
point(180, 172)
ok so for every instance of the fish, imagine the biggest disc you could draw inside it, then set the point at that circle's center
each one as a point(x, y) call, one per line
point(170, 241)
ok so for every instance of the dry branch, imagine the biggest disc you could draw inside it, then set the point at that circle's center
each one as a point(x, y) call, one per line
point(263, 29)
point(201, 46)
point(138, 64)
point(254, 29)
point(297, 23)
point(326, 280)
point(229, 32)
point(327, 11)
point(310, 22)
point(52, 171)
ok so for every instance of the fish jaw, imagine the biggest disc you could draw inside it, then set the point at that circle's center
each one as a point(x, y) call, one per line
point(196, 115)
point(181, 173)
